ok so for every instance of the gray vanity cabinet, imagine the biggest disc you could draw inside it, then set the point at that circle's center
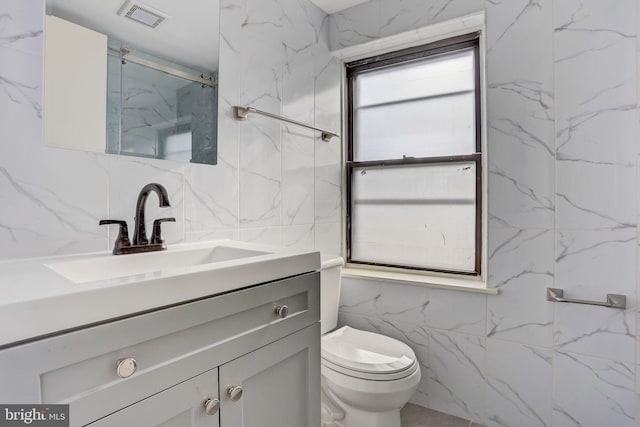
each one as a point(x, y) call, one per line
point(179, 406)
point(263, 338)
point(279, 384)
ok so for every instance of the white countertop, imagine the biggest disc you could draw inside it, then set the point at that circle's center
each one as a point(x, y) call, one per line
point(35, 300)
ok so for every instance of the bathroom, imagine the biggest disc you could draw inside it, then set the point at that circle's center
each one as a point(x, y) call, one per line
point(560, 115)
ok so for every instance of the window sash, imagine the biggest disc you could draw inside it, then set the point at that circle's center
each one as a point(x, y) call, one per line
point(403, 56)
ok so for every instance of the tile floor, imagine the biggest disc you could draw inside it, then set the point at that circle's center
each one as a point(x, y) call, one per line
point(417, 416)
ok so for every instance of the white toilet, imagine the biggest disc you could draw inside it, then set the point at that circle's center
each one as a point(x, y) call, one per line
point(366, 377)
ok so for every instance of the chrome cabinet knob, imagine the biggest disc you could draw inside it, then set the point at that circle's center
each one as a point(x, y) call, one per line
point(234, 393)
point(212, 406)
point(126, 367)
point(282, 311)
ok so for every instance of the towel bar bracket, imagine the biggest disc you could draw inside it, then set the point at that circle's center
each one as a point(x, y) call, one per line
point(613, 300)
point(242, 113)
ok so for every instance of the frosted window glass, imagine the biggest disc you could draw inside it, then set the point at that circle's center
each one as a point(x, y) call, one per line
point(415, 216)
point(453, 72)
point(422, 128)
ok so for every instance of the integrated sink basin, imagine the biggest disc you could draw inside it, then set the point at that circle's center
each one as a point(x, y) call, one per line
point(110, 267)
point(54, 294)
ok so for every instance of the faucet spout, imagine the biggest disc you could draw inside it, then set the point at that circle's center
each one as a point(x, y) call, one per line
point(140, 233)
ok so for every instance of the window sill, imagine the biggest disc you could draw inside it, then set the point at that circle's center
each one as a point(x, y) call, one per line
point(465, 285)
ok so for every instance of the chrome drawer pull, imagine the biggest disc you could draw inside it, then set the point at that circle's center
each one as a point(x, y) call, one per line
point(234, 393)
point(212, 406)
point(126, 367)
point(282, 311)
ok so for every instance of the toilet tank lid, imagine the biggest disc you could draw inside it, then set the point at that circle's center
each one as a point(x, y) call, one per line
point(331, 261)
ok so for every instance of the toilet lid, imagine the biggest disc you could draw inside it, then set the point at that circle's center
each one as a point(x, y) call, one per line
point(366, 352)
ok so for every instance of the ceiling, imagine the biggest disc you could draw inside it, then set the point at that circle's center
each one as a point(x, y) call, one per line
point(188, 37)
point(333, 6)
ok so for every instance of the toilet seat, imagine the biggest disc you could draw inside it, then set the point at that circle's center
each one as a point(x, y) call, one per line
point(367, 355)
point(378, 376)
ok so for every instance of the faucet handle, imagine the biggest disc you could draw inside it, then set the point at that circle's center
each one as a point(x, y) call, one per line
point(156, 235)
point(122, 241)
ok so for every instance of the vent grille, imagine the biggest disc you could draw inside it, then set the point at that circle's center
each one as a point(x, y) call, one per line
point(142, 14)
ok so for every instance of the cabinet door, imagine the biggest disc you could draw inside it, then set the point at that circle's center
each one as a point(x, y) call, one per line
point(180, 406)
point(280, 384)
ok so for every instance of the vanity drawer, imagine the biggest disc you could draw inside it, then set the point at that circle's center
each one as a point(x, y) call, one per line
point(169, 346)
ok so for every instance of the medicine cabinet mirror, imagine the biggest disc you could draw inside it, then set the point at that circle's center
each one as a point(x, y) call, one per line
point(133, 78)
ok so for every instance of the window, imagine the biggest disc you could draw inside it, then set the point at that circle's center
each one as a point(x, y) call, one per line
point(414, 159)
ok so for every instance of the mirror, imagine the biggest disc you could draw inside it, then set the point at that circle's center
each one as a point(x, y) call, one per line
point(133, 78)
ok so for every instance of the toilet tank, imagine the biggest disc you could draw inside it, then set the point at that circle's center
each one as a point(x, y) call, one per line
point(329, 293)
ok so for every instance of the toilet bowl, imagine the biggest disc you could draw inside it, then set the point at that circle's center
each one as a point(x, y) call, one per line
point(366, 377)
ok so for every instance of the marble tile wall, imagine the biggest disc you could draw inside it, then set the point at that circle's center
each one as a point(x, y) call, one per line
point(562, 116)
point(273, 184)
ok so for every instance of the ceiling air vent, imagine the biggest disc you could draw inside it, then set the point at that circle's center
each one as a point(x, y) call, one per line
point(142, 13)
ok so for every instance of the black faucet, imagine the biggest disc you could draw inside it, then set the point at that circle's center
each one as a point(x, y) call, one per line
point(140, 232)
point(140, 241)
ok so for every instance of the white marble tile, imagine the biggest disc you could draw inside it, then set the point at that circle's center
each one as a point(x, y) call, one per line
point(299, 40)
point(204, 236)
point(405, 303)
point(21, 25)
point(455, 311)
point(211, 196)
point(521, 177)
point(39, 187)
point(381, 18)
point(592, 392)
point(127, 176)
point(637, 395)
point(519, 387)
point(596, 122)
point(327, 98)
point(262, 56)
point(47, 209)
point(21, 96)
point(21, 84)
point(298, 236)
point(415, 336)
point(456, 377)
point(230, 59)
point(298, 190)
point(260, 137)
point(42, 204)
point(328, 193)
point(328, 155)
point(298, 84)
point(260, 173)
point(513, 55)
point(262, 235)
point(589, 265)
point(520, 113)
point(221, 205)
point(397, 16)
point(584, 196)
point(356, 25)
point(28, 248)
point(595, 48)
point(364, 323)
point(328, 238)
point(300, 23)
point(521, 267)
point(359, 296)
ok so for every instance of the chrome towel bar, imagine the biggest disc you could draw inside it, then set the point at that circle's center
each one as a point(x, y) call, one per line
point(241, 113)
point(613, 300)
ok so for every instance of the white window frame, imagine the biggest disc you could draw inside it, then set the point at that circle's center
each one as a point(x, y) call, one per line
point(444, 30)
